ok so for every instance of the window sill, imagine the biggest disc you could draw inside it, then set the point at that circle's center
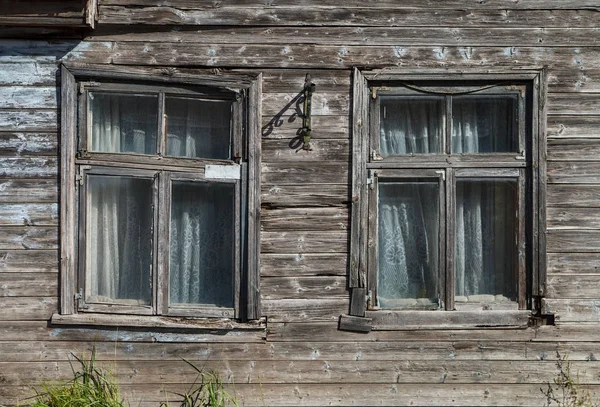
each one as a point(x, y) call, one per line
point(157, 322)
point(413, 320)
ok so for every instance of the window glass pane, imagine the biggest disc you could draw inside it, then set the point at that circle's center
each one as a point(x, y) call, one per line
point(408, 244)
point(484, 124)
point(202, 244)
point(123, 123)
point(485, 245)
point(410, 125)
point(198, 128)
point(119, 234)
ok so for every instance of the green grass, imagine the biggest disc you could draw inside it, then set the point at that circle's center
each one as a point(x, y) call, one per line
point(91, 386)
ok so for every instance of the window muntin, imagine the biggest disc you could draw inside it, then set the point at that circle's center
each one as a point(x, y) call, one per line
point(486, 148)
point(132, 132)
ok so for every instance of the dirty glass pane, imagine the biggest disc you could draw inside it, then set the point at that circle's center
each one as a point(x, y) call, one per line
point(408, 244)
point(202, 244)
point(123, 123)
point(485, 246)
point(119, 237)
point(198, 128)
point(410, 125)
point(483, 124)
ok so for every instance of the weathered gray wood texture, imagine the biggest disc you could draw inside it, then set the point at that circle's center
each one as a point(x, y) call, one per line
point(301, 358)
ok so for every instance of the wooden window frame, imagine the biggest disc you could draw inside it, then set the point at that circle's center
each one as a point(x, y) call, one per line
point(244, 92)
point(369, 168)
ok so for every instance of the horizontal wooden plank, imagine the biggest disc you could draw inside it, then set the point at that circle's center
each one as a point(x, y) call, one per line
point(382, 4)
point(287, 196)
point(109, 352)
point(573, 80)
point(573, 195)
point(572, 285)
point(573, 126)
point(31, 167)
point(573, 310)
point(283, 80)
point(28, 284)
point(28, 120)
point(22, 144)
point(303, 288)
point(303, 242)
point(326, 331)
point(370, 32)
point(283, 150)
point(22, 330)
point(27, 308)
point(322, 104)
point(575, 104)
point(28, 97)
point(287, 126)
point(578, 241)
point(27, 74)
point(28, 237)
point(29, 261)
point(303, 173)
point(40, 214)
point(336, 57)
point(565, 332)
point(28, 190)
point(573, 218)
point(393, 394)
point(302, 219)
point(573, 172)
point(282, 265)
point(340, 15)
point(587, 149)
point(575, 263)
point(304, 310)
point(19, 51)
point(331, 372)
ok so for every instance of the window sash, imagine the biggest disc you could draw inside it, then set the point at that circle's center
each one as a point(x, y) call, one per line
point(86, 304)
point(84, 142)
point(447, 231)
point(401, 160)
point(163, 254)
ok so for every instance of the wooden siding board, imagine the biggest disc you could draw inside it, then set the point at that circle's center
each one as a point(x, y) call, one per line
point(28, 214)
point(28, 120)
point(24, 144)
point(573, 263)
point(336, 56)
point(564, 286)
point(17, 190)
point(477, 350)
point(573, 310)
point(300, 242)
point(29, 261)
point(296, 288)
point(315, 372)
point(28, 237)
point(345, 15)
point(27, 74)
point(577, 241)
point(304, 196)
point(284, 150)
point(287, 127)
point(304, 219)
point(28, 284)
point(387, 34)
point(573, 196)
point(28, 97)
point(304, 173)
point(310, 264)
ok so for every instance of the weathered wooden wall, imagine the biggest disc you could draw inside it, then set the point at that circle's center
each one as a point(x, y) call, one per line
point(301, 358)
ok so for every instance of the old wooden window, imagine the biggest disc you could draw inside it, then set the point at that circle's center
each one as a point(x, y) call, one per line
point(445, 195)
point(164, 177)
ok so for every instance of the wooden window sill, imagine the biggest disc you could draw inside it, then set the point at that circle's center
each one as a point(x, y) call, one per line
point(154, 322)
point(413, 320)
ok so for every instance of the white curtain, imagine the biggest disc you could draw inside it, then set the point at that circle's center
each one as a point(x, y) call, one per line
point(119, 225)
point(120, 238)
point(485, 209)
point(410, 126)
point(201, 245)
point(198, 128)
